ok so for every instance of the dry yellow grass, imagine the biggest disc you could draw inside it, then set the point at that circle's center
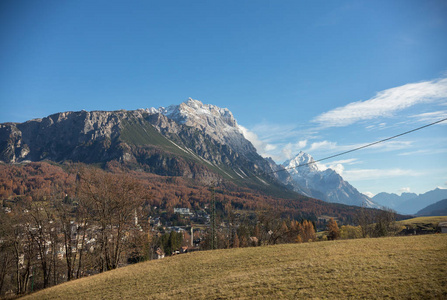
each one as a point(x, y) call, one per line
point(399, 267)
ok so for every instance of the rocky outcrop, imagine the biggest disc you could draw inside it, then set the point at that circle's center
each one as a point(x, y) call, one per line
point(12, 148)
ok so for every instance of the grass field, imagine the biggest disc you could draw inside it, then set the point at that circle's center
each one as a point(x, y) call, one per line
point(399, 267)
point(424, 220)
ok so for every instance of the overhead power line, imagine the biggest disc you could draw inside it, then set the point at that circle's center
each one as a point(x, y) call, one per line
point(354, 149)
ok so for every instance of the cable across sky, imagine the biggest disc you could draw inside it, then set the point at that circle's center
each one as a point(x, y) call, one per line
point(355, 149)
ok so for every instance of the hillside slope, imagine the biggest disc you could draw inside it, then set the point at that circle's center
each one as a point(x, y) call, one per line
point(437, 209)
point(398, 267)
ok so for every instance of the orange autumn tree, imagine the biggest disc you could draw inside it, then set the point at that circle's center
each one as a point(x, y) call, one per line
point(333, 230)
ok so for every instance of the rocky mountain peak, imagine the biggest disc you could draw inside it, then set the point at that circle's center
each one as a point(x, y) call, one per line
point(218, 123)
point(196, 114)
point(304, 160)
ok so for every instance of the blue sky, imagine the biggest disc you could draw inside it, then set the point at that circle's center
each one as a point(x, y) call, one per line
point(317, 76)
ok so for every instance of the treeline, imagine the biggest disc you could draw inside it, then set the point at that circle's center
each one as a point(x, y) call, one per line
point(257, 229)
point(24, 181)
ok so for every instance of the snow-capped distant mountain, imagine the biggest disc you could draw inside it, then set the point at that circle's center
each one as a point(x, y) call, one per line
point(324, 184)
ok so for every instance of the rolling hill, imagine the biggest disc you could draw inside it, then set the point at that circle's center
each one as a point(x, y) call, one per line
point(398, 267)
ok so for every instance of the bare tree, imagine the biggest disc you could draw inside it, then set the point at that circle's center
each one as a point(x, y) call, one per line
point(6, 248)
point(73, 223)
point(385, 223)
point(376, 223)
point(22, 249)
point(39, 229)
point(112, 201)
point(364, 219)
point(272, 228)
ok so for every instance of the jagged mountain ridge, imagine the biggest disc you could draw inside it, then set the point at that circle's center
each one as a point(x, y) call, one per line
point(392, 200)
point(174, 141)
point(325, 184)
point(411, 203)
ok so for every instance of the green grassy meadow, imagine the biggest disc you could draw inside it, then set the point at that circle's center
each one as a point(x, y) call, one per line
point(397, 267)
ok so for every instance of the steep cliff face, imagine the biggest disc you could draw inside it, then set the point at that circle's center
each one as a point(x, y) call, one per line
point(78, 136)
point(11, 147)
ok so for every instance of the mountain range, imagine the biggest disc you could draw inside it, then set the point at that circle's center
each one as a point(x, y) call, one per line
point(410, 203)
point(193, 140)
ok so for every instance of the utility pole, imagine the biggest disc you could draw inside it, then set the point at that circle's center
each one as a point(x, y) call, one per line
point(213, 219)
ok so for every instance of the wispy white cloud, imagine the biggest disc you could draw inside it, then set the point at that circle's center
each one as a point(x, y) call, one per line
point(429, 151)
point(291, 149)
point(393, 145)
point(338, 165)
point(332, 147)
point(432, 117)
point(369, 194)
point(425, 151)
point(404, 190)
point(280, 133)
point(385, 103)
point(262, 147)
point(350, 161)
point(326, 145)
point(339, 168)
point(276, 144)
point(376, 126)
point(371, 174)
